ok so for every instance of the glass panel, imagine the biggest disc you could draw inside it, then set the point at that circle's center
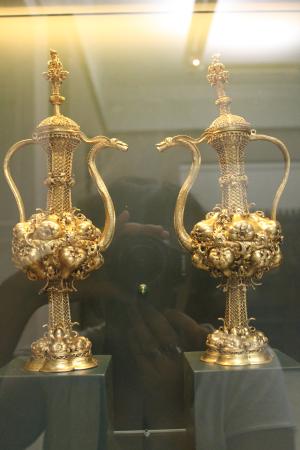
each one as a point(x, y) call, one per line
point(138, 73)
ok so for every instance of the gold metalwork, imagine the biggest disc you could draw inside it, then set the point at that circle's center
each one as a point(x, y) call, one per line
point(60, 245)
point(232, 243)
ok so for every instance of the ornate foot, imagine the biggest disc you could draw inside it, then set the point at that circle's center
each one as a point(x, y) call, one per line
point(61, 351)
point(237, 347)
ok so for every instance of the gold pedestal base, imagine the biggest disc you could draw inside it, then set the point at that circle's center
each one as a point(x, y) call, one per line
point(34, 364)
point(263, 356)
point(61, 351)
point(86, 362)
point(60, 365)
point(239, 346)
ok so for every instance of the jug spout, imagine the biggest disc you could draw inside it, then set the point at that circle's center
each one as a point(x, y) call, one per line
point(191, 145)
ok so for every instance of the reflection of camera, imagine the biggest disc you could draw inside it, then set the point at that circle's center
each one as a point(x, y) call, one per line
point(143, 259)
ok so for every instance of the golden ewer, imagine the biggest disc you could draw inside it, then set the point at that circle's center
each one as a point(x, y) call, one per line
point(59, 244)
point(232, 243)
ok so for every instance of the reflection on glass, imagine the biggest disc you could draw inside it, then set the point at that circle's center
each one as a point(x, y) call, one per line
point(145, 329)
point(132, 76)
point(242, 408)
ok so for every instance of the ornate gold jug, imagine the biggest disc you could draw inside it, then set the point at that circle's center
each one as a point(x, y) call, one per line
point(59, 244)
point(233, 244)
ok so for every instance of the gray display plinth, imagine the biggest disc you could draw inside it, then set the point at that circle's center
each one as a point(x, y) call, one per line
point(258, 406)
point(71, 410)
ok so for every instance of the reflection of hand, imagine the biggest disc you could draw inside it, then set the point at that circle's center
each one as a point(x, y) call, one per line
point(146, 344)
point(147, 347)
point(123, 226)
point(157, 341)
point(192, 334)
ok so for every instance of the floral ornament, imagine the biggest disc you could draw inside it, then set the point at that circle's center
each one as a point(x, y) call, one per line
point(220, 258)
point(241, 231)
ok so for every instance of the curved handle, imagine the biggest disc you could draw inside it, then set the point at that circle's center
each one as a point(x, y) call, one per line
point(287, 160)
point(110, 219)
point(191, 144)
point(9, 178)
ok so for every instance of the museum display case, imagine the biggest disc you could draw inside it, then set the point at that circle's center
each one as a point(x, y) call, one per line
point(138, 72)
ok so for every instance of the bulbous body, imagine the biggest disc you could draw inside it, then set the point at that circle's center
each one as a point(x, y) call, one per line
point(240, 245)
point(53, 247)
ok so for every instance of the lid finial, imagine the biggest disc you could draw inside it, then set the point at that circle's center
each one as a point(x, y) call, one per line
point(218, 76)
point(55, 75)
